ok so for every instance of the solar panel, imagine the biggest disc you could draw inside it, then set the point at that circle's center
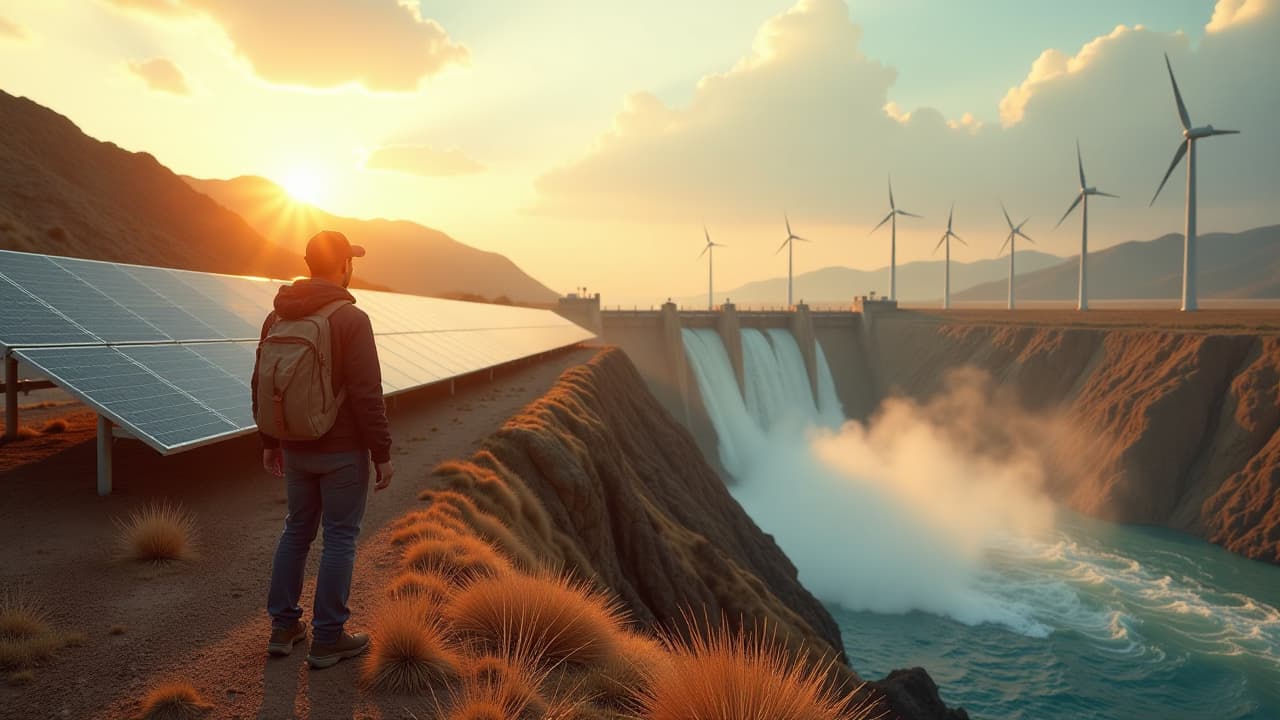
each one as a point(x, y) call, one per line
point(168, 353)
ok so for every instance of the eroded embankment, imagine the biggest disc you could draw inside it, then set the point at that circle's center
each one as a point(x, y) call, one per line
point(1166, 427)
point(598, 479)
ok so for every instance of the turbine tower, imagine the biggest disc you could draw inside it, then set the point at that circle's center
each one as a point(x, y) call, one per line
point(710, 253)
point(892, 217)
point(1188, 147)
point(1083, 200)
point(789, 243)
point(946, 277)
point(1015, 231)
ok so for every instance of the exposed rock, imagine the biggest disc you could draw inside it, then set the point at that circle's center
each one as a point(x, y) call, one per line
point(913, 694)
point(1168, 427)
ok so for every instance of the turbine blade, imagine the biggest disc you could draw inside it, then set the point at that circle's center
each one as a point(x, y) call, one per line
point(784, 244)
point(957, 237)
point(904, 212)
point(950, 214)
point(1006, 215)
point(891, 205)
point(797, 237)
point(882, 222)
point(1182, 108)
point(718, 245)
point(1225, 132)
point(1103, 194)
point(788, 221)
point(1177, 158)
point(707, 233)
point(1080, 165)
point(1005, 245)
point(1026, 237)
point(935, 247)
point(1068, 212)
point(705, 248)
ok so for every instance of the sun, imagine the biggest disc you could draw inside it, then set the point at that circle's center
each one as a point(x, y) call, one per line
point(306, 185)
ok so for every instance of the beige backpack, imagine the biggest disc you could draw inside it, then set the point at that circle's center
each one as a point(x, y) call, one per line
point(295, 377)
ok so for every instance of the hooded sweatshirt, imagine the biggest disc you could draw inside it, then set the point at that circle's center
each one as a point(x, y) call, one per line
point(362, 419)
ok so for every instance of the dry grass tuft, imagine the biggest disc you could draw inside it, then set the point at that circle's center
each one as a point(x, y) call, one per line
point(729, 676)
point(27, 433)
point(158, 532)
point(26, 637)
point(551, 618)
point(53, 427)
point(411, 651)
point(175, 700)
point(116, 630)
point(512, 681)
point(458, 559)
point(432, 589)
point(619, 682)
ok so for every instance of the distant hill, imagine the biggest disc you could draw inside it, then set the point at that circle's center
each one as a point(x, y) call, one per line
point(65, 193)
point(1242, 265)
point(917, 281)
point(403, 255)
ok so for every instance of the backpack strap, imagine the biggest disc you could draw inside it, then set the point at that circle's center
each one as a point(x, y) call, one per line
point(326, 312)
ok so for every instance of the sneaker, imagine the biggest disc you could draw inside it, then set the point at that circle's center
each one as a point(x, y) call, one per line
point(283, 640)
point(348, 646)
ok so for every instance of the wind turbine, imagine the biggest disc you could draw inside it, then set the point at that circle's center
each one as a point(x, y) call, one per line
point(1190, 135)
point(1083, 200)
point(894, 212)
point(710, 253)
point(789, 243)
point(946, 238)
point(1015, 231)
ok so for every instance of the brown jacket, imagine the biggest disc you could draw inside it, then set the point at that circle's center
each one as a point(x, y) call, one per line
point(362, 419)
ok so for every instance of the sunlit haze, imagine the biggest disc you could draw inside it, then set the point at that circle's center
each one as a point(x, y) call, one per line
point(589, 142)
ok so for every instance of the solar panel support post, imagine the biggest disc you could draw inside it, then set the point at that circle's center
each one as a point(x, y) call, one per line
point(104, 455)
point(10, 397)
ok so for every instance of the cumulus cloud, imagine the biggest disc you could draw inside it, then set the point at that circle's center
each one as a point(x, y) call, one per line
point(807, 121)
point(423, 160)
point(161, 75)
point(383, 45)
point(10, 30)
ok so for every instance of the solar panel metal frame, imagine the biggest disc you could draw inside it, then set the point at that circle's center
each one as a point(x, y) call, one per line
point(399, 314)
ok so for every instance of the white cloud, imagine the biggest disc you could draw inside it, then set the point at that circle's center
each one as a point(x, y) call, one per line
point(383, 45)
point(807, 122)
point(161, 75)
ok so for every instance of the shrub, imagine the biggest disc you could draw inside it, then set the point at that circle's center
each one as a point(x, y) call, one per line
point(620, 681)
point(510, 681)
point(53, 427)
point(158, 532)
point(432, 589)
point(726, 676)
point(410, 652)
point(173, 701)
point(458, 559)
point(26, 637)
point(551, 618)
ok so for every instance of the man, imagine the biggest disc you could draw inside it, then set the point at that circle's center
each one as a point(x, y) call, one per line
point(327, 479)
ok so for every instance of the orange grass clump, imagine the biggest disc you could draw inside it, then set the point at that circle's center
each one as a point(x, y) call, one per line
point(619, 681)
point(26, 637)
point(458, 559)
point(432, 589)
point(726, 676)
point(173, 701)
point(157, 532)
point(411, 651)
point(552, 618)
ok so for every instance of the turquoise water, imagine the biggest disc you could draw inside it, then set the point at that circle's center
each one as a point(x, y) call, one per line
point(1129, 623)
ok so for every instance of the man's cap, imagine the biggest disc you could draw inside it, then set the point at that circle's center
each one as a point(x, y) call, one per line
point(330, 248)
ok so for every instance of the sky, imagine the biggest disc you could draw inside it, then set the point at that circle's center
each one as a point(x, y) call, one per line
point(590, 141)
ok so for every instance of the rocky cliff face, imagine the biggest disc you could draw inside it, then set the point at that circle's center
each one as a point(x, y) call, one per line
point(598, 478)
point(1177, 427)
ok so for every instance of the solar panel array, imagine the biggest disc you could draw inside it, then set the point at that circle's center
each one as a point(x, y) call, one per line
point(168, 353)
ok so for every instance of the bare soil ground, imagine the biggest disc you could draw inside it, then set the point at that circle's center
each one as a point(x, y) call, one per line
point(1216, 321)
point(203, 620)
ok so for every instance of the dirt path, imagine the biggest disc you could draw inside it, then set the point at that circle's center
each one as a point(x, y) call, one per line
point(203, 621)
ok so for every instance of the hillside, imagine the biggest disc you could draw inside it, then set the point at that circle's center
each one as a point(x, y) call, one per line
point(917, 282)
point(1173, 425)
point(1242, 265)
point(402, 255)
point(65, 193)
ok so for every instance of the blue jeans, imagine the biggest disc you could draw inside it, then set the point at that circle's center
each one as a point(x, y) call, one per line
point(328, 487)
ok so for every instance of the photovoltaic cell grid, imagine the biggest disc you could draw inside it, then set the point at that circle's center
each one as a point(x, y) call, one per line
point(168, 353)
